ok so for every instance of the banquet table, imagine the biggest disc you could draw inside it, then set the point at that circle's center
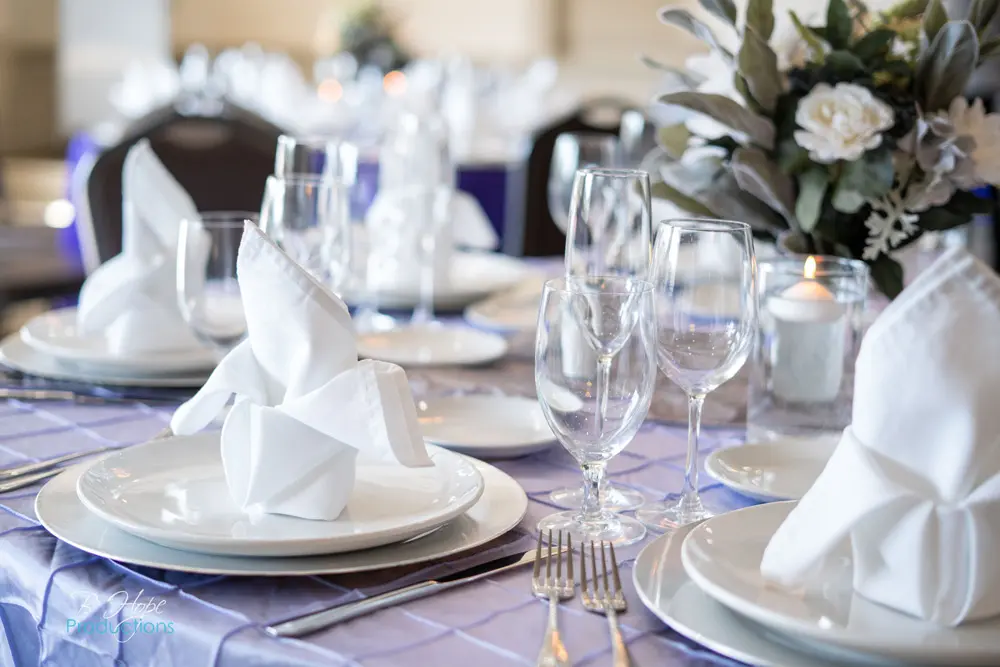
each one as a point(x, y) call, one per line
point(219, 620)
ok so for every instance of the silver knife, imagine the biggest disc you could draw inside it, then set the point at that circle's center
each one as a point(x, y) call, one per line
point(317, 620)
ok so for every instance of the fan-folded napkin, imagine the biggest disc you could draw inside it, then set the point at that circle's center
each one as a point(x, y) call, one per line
point(131, 299)
point(305, 407)
point(914, 483)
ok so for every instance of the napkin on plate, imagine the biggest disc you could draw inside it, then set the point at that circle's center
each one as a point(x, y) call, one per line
point(131, 299)
point(305, 406)
point(914, 483)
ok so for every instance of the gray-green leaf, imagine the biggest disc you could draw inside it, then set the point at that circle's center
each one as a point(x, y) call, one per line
point(871, 176)
point(934, 19)
point(907, 9)
point(757, 174)
point(760, 17)
point(680, 200)
point(839, 24)
point(981, 13)
point(689, 79)
point(684, 20)
point(812, 189)
point(847, 201)
point(758, 64)
point(887, 274)
point(724, 9)
point(758, 129)
point(943, 70)
point(989, 49)
point(673, 139)
point(731, 202)
point(875, 43)
point(812, 40)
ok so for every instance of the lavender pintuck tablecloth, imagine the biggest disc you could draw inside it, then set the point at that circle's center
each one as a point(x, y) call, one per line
point(46, 586)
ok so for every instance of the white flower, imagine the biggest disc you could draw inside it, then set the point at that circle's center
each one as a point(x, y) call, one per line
point(984, 129)
point(841, 123)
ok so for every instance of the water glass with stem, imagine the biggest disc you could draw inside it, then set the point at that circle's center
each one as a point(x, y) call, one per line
point(327, 157)
point(574, 151)
point(595, 414)
point(308, 217)
point(608, 234)
point(208, 292)
point(705, 293)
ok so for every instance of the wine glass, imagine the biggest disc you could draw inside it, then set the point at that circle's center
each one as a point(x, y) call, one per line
point(208, 292)
point(572, 152)
point(609, 234)
point(595, 414)
point(307, 215)
point(330, 158)
point(705, 275)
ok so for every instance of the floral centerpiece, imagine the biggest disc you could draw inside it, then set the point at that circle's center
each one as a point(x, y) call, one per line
point(854, 135)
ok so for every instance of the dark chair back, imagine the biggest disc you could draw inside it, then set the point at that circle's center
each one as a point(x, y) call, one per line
point(541, 237)
point(222, 160)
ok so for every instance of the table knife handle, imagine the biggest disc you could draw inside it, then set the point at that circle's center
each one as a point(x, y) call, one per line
point(310, 623)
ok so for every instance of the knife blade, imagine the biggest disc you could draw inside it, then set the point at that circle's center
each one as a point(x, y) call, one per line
point(318, 620)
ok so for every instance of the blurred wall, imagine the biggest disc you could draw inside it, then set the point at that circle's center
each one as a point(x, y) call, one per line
point(597, 42)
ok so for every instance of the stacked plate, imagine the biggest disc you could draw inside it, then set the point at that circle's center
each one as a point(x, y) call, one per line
point(51, 346)
point(704, 581)
point(165, 504)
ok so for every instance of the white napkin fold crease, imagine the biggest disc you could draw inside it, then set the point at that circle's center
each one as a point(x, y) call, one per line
point(914, 484)
point(305, 407)
point(131, 299)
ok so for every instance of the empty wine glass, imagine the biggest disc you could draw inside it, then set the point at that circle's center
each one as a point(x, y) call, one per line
point(317, 156)
point(595, 414)
point(308, 217)
point(572, 152)
point(704, 275)
point(608, 234)
point(208, 292)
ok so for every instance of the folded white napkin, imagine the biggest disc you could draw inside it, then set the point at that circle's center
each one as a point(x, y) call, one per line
point(131, 299)
point(915, 481)
point(305, 407)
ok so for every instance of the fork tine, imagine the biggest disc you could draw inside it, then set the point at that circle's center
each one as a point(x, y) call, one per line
point(548, 563)
point(614, 570)
point(559, 560)
point(569, 559)
point(604, 570)
point(538, 558)
point(583, 570)
point(593, 570)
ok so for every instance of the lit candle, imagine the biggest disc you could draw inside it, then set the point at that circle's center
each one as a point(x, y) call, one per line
point(810, 329)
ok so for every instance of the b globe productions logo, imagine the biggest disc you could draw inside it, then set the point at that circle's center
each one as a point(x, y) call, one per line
point(120, 615)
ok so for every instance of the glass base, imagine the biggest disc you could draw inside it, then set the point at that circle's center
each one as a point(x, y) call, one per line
point(613, 498)
point(614, 528)
point(670, 515)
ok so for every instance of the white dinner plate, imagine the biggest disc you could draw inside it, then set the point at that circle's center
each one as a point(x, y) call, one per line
point(779, 470)
point(510, 311)
point(55, 334)
point(16, 354)
point(485, 426)
point(722, 556)
point(473, 276)
point(666, 590)
point(173, 492)
point(59, 509)
point(433, 346)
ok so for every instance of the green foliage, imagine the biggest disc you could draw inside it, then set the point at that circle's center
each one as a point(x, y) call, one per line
point(906, 9)
point(982, 12)
point(760, 17)
point(934, 19)
point(888, 275)
point(875, 45)
point(723, 9)
point(817, 51)
point(759, 129)
point(684, 20)
point(871, 176)
point(758, 67)
point(945, 67)
point(839, 24)
point(812, 189)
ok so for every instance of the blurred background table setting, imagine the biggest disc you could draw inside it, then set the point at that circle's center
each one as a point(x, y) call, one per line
point(555, 333)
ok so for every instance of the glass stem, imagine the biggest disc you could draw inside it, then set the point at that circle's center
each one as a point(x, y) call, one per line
point(603, 384)
point(424, 312)
point(689, 496)
point(593, 480)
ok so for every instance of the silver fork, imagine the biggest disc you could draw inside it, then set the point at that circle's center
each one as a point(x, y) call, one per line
point(19, 477)
point(553, 653)
point(607, 600)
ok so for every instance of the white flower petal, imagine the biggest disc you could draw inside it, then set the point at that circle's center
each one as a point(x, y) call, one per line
point(842, 122)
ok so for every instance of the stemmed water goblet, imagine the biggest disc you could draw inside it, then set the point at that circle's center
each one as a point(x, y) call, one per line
point(596, 411)
point(704, 275)
point(208, 292)
point(608, 234)
point(574, 151)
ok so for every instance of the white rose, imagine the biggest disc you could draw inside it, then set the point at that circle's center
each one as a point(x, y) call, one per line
point(841, 123)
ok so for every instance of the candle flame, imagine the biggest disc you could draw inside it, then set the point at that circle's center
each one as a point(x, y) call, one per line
point(809, 268)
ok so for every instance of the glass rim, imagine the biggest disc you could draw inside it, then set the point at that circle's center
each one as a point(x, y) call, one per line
point(311, 140)
point(720, 225)
point(827, 266)
point(618, 172)
point(304, 177)
point(222, 219)
point(591, 134)
point(563, 284)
